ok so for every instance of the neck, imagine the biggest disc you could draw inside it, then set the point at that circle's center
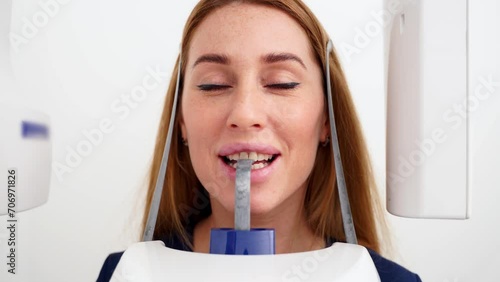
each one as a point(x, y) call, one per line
point(292, 231)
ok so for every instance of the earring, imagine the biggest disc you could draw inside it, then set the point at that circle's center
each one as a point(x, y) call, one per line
point(324, 144)
point(184, 142)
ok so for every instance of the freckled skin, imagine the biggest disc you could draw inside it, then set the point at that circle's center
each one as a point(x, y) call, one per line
point(248, 110)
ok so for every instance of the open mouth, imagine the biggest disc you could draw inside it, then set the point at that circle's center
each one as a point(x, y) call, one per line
point(259, 160)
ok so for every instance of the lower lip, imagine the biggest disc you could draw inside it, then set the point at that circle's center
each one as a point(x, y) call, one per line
point(256, 175)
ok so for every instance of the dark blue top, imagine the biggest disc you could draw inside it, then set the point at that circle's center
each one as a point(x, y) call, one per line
point(388, 271)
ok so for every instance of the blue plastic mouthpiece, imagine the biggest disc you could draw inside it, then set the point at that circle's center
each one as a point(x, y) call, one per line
point(227, 241)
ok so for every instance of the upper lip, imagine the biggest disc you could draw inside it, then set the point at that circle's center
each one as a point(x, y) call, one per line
point(234, 148)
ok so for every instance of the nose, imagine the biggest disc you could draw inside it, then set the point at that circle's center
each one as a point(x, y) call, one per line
point(247, 109)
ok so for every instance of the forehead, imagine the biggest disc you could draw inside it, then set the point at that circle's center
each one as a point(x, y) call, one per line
point(245, 31)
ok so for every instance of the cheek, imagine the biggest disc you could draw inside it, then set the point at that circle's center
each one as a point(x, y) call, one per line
point(301, 126)
point(201, 120)
point(297, 124)
point(202, 124)
point(301, 121)
point(197, 124)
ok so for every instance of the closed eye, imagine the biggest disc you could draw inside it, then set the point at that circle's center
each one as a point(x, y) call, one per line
point(212, 87)
point(284, 86)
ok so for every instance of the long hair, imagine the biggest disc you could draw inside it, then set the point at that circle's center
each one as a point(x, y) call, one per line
point(185, 202)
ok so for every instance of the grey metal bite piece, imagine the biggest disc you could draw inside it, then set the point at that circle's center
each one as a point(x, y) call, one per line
point(242, 195)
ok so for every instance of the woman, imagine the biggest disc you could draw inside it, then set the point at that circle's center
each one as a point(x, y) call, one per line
point(251, 86)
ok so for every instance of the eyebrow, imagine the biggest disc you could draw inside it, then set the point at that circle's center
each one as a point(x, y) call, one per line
point(212, 58)
point(282, 57)
point(269, 59)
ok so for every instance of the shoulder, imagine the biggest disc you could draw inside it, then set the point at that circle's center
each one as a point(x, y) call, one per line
point(390, 271)
point(109, 266)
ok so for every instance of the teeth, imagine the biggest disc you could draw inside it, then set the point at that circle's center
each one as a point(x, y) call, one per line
point(258, 166)
point(255, 166)
point(250, 155)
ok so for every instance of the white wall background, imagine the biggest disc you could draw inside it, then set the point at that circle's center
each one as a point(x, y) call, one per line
point(90, 54)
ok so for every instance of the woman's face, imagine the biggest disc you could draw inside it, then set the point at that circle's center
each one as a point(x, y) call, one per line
point(252, 89)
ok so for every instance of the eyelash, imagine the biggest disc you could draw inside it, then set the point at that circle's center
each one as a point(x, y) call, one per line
point(284, 86)
point(212, 87)
point(278, 86)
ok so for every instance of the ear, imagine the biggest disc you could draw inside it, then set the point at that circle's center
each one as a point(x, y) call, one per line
point(325, 128)
point(183, 128)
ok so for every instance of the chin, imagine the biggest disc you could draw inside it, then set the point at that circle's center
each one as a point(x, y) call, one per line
point(262, 205)
point(261, 209)
point(264, 201)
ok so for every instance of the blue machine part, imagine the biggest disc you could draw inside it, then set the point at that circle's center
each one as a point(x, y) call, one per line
point(34, 130)
point(228, 241)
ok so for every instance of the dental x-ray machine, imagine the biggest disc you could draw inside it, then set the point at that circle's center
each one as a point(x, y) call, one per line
point(243, 253)
point(415, 55)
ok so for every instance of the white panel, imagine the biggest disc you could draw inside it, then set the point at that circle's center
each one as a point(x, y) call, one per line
point(426, 132)
point(147, 261)
point(27, 150)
